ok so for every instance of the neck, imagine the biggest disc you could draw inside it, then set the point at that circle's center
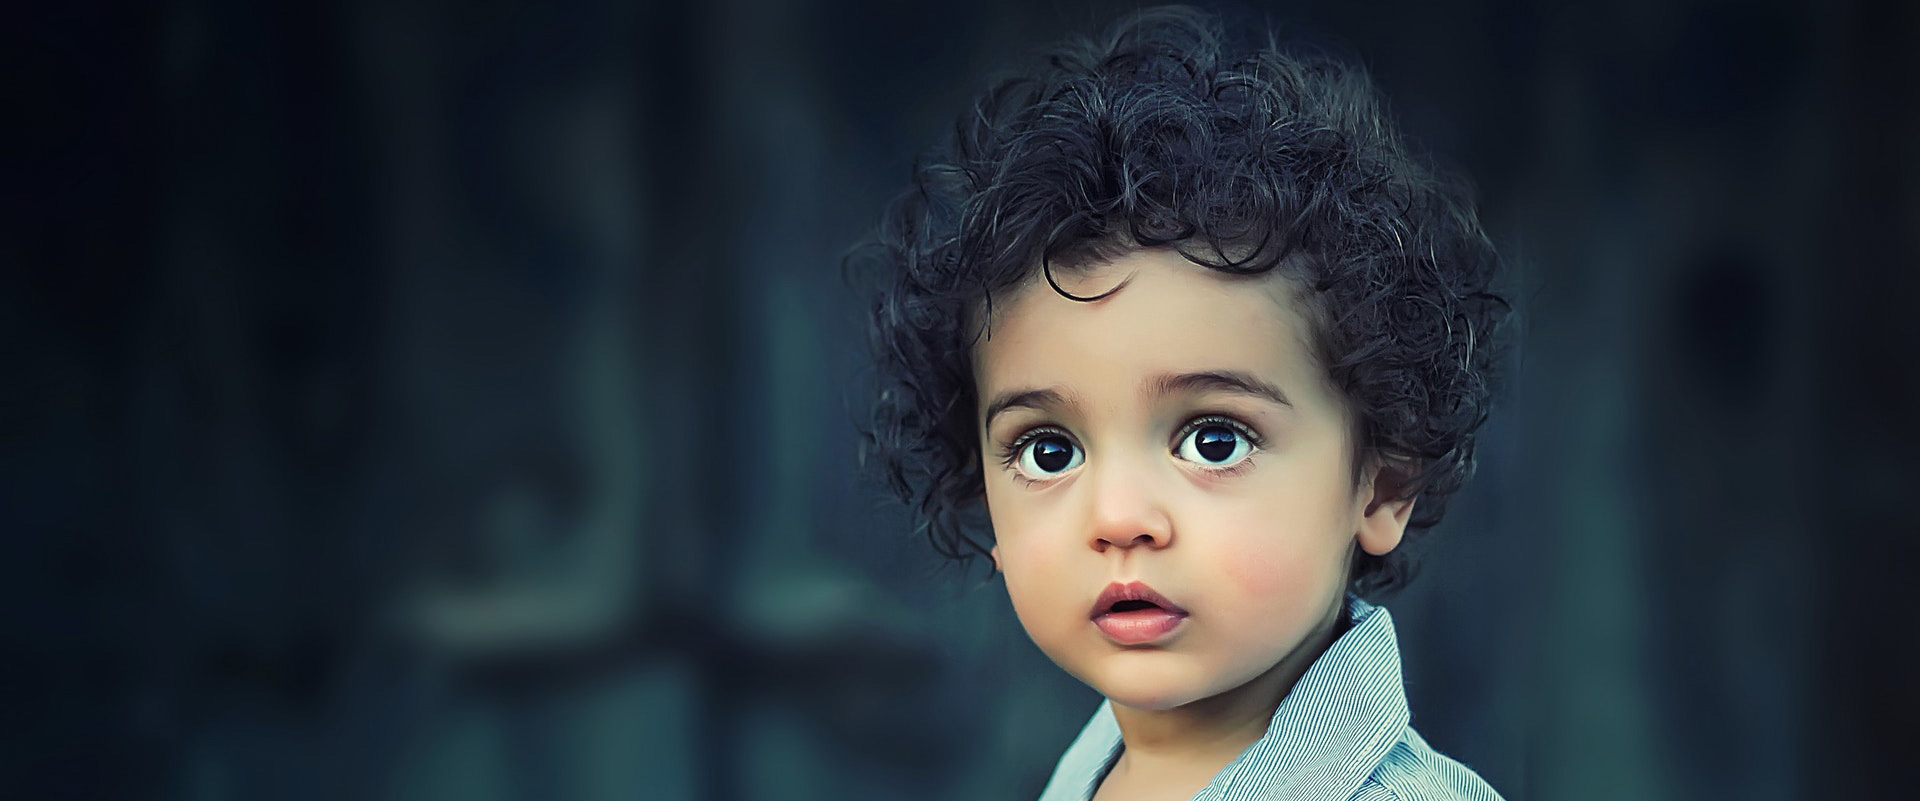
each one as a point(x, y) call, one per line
point(1202, 737)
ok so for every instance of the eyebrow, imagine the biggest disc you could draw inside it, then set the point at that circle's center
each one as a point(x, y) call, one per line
point(1023, 399)
point(1230, 381)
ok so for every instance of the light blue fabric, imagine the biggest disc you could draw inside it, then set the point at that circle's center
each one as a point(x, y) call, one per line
point(1341, 733)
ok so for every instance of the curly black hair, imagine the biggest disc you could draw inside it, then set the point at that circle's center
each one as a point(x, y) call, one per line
point(1154, 135)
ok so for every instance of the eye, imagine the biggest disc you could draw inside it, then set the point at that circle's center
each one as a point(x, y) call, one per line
point(1046, 454)
point(1216, 442)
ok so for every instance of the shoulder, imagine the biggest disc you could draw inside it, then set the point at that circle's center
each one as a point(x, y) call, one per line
point(1413, 771)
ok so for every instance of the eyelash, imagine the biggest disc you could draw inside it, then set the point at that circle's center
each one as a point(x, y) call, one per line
point(1010, 451)
point(1253, 438)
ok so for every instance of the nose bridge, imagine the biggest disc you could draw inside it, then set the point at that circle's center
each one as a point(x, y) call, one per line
point(1127, 504)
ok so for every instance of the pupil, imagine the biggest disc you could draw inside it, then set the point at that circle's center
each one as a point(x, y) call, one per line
point(1052, 455)
point(1215, 444)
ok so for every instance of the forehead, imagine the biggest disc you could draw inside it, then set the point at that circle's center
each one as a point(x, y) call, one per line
point(1168, 316)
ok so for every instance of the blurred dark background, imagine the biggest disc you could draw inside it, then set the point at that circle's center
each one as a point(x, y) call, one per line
point(436, 401)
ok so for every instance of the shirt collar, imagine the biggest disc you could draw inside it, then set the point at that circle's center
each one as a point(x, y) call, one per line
point(1326, 737)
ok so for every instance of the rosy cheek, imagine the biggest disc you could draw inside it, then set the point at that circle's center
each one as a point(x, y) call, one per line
point(1260, 574)
point(1282, 568)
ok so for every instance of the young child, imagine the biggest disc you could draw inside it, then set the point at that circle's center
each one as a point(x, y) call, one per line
point(1206, 345)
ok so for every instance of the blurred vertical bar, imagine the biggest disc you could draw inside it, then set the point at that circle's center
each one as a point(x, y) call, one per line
point(1861, 465)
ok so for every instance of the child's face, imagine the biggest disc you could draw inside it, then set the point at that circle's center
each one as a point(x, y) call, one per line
point(1176, 434)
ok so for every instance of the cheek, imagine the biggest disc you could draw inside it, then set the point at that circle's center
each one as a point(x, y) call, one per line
point(1293, 529)
point(1286, 564)
point(1027, 557)
point(1271, 572)
point(1031, 570)
point(1046, 606)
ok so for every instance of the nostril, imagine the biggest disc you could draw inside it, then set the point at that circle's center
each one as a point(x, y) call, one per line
point(1146, 537)
point(1147, 540)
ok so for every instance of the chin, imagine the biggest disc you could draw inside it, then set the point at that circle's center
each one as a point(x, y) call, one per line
point(1148, 701)
point(1150, 690)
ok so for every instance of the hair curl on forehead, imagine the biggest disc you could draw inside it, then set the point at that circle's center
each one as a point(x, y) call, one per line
point(1157, 135)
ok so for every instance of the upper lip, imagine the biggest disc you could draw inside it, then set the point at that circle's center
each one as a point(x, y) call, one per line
point(1132, 591)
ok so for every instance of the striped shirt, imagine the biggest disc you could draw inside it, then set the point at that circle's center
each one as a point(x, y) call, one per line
point(1341, 733)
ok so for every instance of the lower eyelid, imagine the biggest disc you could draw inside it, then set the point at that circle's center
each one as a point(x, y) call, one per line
point(1234, 469)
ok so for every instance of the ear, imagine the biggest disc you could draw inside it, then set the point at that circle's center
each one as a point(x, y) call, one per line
point(1384, 515)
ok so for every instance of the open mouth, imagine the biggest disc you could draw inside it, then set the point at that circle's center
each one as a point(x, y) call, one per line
point(1132, 598)
point(1133, 615)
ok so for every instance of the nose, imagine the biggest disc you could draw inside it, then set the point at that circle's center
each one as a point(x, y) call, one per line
point(1127, 510)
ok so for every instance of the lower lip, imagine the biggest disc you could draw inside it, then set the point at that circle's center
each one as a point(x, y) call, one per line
point(1138, 627)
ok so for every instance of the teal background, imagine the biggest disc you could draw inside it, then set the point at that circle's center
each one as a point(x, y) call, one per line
point(446, 401)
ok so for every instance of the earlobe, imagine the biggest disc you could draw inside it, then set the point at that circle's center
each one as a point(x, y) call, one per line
point(1383, 522)
point(1383, 526)
point(994, 552)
